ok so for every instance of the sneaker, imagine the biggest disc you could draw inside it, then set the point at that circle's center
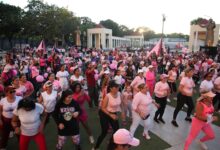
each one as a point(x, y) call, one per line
point(146, 136)
point(168, 100)
point(188, 119)
point(161, 120)
point(175, 123)
point(91, 139)
point(156, 120)
point(202, 145)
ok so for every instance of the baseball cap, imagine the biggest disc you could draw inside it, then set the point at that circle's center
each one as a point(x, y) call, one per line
point(162, 76)
point(208, 94)
point(123, 136)
point(151, 66)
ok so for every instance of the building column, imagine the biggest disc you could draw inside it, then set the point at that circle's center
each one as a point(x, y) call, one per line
point(195, 41)
point(103, 38)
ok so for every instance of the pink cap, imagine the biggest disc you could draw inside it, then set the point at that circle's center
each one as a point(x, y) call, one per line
point(123, 136)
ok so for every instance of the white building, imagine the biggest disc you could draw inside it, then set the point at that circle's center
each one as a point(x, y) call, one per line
point(101, 37)
point(198, 35)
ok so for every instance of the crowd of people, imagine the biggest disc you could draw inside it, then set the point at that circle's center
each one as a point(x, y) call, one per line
point(37, 86)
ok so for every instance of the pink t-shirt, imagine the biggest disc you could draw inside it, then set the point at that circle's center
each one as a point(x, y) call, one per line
point(150, 77)
point(136, 82)
point(114, 103)
point(142, 103)
point(161, 89)
point(188, 85)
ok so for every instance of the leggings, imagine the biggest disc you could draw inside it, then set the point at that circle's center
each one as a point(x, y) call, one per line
point(38, 138)
point(105, 120)
point(217, 100)
point(5, 129)
point(62, 140)
point(136, 120)
point(197, 126)
point(172, 86)
point(181, 100)
point(160, 111)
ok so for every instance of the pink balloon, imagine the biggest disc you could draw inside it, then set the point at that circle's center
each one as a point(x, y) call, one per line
point(122, 81)
point(40, 78)
point(45, 75)
point(14, 72)
point(96, 76)
point(48, 69)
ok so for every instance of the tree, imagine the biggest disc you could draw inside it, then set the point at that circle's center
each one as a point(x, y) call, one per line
point(10, 21)
point(110, 24)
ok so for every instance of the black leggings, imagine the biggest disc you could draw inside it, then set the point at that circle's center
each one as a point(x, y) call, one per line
point(181, 100)
point(217, 100)
point(172, 86)
point(105, 120)
point(160, 111)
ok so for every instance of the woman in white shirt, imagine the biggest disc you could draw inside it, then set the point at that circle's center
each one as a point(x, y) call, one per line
point(141, 109)
point(7, 106)
point(28, 124)
point(207, 84)
point(185, 96)
point(48, 99)
point(172, 79)
point(162, 91)
point(76, 77)
point(62, 76)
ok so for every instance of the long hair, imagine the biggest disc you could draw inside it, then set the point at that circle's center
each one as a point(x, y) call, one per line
point(111, 84)
point(65, 94)
point(74, 85)
point(26, 103)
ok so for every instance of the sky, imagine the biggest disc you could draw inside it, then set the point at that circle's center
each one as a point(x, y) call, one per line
point(136, 13)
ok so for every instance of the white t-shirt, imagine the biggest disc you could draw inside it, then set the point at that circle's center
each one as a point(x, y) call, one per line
point(8, 108)
point(30, 120)
point(49, 101)
point(74, 78)
point(188, 85)
point(118, 79)
point(206, 86)
point(63, 79)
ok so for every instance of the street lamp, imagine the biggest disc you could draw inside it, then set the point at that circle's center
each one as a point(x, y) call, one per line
point(163, 20)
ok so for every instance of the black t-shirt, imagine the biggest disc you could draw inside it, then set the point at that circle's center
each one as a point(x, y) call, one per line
point(63, 114)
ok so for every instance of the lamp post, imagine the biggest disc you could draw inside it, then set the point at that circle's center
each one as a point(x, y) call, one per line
point(163, 20)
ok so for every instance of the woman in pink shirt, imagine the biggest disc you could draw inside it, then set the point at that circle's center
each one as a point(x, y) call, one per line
point(202, 121)
point(150, 79)
point(81, 97)
point(139, 79)
point(141, 108)
point(27, 84)
point(20, 90)
point(110, 108)
point(162, 91)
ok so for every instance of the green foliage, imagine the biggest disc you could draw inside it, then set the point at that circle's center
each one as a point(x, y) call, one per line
point(10, 20)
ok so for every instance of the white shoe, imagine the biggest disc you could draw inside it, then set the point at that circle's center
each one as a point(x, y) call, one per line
point(168, 100)
point(91, 139)
point(185, 106)
point(147, 137)
point(202, 145)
